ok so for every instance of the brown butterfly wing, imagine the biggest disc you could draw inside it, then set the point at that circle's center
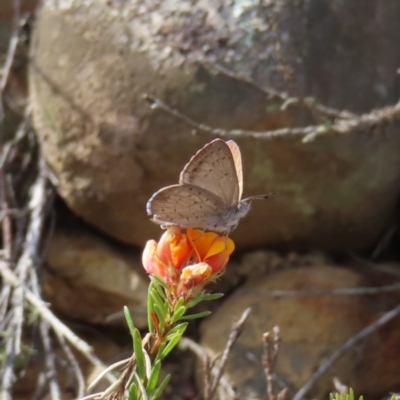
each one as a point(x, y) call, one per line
point(213, 168)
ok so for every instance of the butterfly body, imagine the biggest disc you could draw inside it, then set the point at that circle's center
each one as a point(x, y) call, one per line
point(209, 192)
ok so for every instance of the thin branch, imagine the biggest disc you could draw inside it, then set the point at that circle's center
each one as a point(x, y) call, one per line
point(271, 350)
point(334, 292)
point(107, 370)
point(201, 353)
point(349, 344)
point(50, 362)
point(207, 368)
point(284, 97)
point(362, 123)
point(92, 396)
point(75, 366)
point(384, 241)
point(6, 221)
point(234, 335)
point(383, 268)
point(19, 135)
point(8, 372)
point(157, 104)
point(54, 322)
point(12, 47)
point(38, 205)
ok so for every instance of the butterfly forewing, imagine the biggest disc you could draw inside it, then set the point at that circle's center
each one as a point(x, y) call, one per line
point(213, 168)
point(186, 206)
point(237, 159)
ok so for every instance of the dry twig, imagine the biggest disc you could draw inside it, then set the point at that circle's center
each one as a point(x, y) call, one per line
point(237, 329)
point(284, 97)
point(270, 359)
point(374, 290)
point(24, 223)
point(366, 123)
point(12, 47)
point(202, 354)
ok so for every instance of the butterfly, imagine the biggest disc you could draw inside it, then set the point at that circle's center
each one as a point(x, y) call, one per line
point(209, 193)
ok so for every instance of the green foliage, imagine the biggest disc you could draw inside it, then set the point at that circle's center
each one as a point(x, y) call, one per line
point(129, 320)
point(349, 396)
point(153, 379)
point(179, 312)
point(172, 341)
point(167, 322)
point(203, 297)
point(150, 309)
point(133, 392)
point(195, 316)
point(161, 388)
point(344, 396)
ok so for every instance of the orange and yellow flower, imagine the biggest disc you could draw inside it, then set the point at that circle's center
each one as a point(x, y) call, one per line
point(187, 261)
point(211, 248)
point(168, 257)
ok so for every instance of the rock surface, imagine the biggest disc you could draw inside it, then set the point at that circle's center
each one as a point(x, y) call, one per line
point(93, 60)
point(312, 329)
point(89, 279)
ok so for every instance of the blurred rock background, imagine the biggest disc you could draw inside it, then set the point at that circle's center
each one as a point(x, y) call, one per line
point(333, 224)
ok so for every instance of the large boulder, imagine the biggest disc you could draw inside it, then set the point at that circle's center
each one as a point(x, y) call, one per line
point(93, 61)
point(312, 329)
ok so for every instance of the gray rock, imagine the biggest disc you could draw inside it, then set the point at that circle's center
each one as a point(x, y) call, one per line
point(93, 61)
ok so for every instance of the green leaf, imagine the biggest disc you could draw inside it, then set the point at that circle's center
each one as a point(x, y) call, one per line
point(158, 291)
point(150, 310)
point(161, 317)
point(139, 354)
point(195, 316)
point(129, 320)
point(141, 387)
point(133, 392)
point(178, 314)
point(173, 341)
point(155, 280)
point(159, 304)
point(153, 379)
point(203, 297)
point(179, 303)
point(180, 328)
point(161, 388)
point(351, 393)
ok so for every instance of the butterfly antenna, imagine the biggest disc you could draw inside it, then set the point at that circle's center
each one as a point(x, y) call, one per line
point(260, 196)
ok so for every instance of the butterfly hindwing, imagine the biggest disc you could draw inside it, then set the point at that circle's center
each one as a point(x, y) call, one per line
point(186, 206)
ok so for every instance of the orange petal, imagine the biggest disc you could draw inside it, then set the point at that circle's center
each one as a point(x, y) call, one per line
point(218, 262)
point(221, 245)
point(151, 262)
point(201, 241)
